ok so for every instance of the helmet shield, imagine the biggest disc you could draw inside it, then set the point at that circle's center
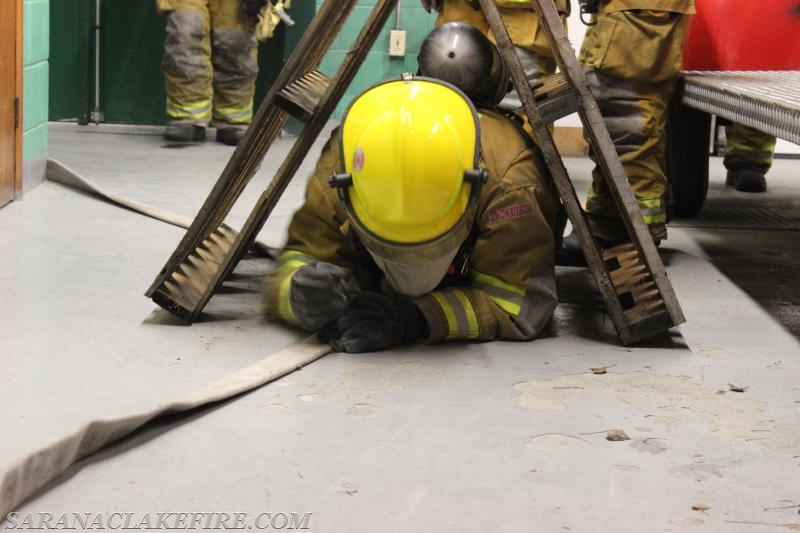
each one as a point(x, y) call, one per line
point(410, 151)
point(415, 279)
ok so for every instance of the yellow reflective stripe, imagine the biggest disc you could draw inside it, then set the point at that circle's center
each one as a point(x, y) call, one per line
point(491, 280)
point(472, 327)
point(651, 202)
point(509, 307)
point(291, 253)
point(654, 219)
point(284, 304)
point(195, 110)
point(232, 114)
point(449, 314)
point(293, 259)
point(462, 321)
point(201, 105)
point(653, 211)
point(508, 297)
point(748, 154)
point(240, 109)
point(291, 265)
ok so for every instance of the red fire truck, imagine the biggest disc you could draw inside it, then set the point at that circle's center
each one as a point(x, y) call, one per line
point(742, 64)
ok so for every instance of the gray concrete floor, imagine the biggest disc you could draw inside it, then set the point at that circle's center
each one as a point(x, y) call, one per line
point(457, 437)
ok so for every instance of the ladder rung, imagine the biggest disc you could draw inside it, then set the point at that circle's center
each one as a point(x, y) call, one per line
point(619, 249)
point(639, 296)
point(644, 310)
point(634, 283)
point(556, 98)
point(628, 273)
point(301, 97)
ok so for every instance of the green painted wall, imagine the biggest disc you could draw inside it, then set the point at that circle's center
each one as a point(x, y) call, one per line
point(70, 78)
point(36, 27)
point(378, 65)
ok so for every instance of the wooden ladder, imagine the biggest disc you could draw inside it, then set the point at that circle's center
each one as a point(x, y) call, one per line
point(210, 249)
point(631, 277)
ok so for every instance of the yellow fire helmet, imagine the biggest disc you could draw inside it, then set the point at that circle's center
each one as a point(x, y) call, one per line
point(410, 149)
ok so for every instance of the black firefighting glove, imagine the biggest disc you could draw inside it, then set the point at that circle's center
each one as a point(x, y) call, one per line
point(252, 7)
point(317, 294)
point(374, 321)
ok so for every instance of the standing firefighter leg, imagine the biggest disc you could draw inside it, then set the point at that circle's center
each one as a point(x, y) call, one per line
point(632, 58)
point(748, 157)
point(635, 115)
point(234, 56)
point(187, 69)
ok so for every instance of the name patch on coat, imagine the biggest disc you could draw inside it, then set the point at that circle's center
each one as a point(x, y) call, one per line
point(512, 211)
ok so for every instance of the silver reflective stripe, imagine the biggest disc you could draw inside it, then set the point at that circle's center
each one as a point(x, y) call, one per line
point(462, 322)
point(653, 211)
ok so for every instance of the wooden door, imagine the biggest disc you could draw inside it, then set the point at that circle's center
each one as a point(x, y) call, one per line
point(10, 87)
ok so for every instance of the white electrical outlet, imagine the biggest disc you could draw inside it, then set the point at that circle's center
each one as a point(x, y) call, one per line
point(397, 43)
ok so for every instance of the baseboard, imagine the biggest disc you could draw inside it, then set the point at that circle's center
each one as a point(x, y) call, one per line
point(34, 172)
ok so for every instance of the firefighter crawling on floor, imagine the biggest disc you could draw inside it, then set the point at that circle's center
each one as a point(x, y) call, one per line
point(429, 216)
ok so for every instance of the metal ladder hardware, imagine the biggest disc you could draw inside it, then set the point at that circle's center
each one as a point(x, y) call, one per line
point(210, 250)
point(631, 277)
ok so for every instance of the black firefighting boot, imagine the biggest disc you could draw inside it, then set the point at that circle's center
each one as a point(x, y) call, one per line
point(747, 178)
point(230, 136)
point(184, 132)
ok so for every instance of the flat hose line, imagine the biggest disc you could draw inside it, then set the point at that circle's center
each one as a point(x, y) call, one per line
point(60, 173)
point(28, 474)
